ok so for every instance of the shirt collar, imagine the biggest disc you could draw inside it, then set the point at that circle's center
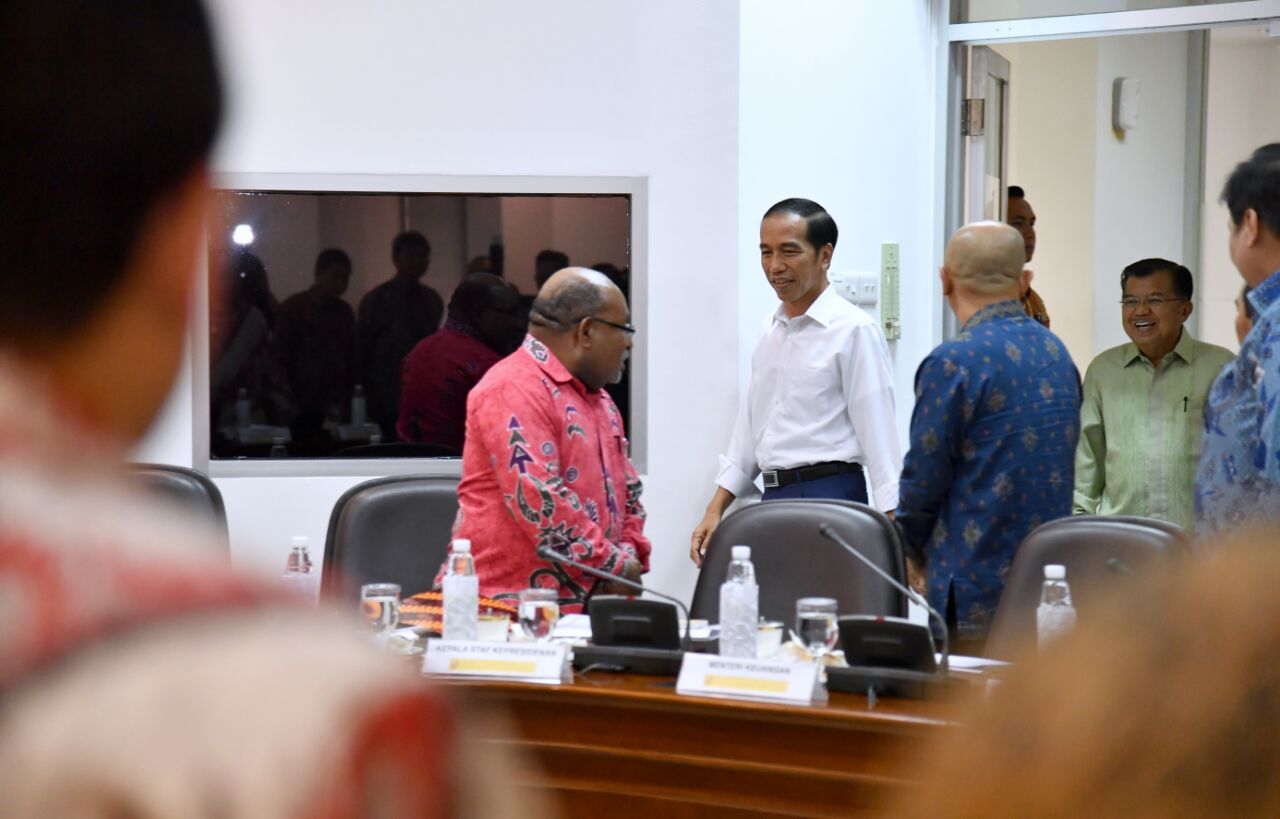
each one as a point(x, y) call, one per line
point(1010, 308)
point(1265, 294)
point(823, 310)
point(1186, 349)
point(547, 361)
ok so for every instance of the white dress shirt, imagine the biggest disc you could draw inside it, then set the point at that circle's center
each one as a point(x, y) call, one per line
point(820, 391)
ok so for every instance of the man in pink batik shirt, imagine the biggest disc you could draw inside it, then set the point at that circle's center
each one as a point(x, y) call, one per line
point(545, 461)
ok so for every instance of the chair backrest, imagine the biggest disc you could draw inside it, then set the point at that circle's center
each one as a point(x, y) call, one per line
point(193, 491)
point(389, 530)
point(792, 560)
point(1102, 554)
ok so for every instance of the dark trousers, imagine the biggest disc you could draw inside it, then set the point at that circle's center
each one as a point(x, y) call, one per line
point(849, 486)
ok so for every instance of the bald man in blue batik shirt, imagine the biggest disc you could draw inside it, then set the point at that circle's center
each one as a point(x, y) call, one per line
point(993, 435)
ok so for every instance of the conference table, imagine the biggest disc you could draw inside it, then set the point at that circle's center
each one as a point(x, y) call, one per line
point(623, 745)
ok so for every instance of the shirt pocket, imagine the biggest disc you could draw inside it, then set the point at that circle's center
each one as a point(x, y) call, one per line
point(810, 387)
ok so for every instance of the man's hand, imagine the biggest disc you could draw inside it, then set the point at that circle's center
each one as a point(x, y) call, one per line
point(703, 531)
point(702, 536)
point(917, 578)
point(631, 570)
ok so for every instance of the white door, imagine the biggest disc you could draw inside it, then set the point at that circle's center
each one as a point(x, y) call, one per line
point(984, 126)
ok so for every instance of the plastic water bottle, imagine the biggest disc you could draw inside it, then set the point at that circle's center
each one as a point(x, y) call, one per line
point(739, 607)
point(359, 407)
point(461, 593)
point(1055, 616)
point(298, 577)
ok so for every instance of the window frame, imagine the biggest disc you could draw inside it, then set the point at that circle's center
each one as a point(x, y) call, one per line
point(636, 187)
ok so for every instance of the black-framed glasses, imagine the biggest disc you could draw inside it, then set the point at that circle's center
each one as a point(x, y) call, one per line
point(1154, 302)
point(629, 329)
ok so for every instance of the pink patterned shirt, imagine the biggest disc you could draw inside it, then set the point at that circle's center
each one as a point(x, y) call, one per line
point(545, 463)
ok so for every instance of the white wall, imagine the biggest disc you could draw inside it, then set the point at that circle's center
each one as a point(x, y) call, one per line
point(1141, 178)
point(1102, 201)
point(584, 88)
point(837, 105)
point(572, 87)
point(1244, 81)
point(1052, 147)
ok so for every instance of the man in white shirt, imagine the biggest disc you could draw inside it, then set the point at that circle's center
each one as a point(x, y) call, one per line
point(819, 409)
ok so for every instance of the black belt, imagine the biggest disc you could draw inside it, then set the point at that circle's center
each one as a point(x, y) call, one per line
point(773, 478)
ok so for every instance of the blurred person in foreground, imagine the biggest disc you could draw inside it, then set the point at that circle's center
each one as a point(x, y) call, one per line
point(485, 323)
point(140, 675)
point(1239, 475)
point(1164, 703)
point(993, 436)
point(1143, 412)
point(546, 458)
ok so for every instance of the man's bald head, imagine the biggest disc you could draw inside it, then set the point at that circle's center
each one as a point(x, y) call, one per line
point(582, 317)
point(572, 294)
point(986, 259)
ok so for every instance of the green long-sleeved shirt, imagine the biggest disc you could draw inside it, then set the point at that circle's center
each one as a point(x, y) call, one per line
point(1140, 430)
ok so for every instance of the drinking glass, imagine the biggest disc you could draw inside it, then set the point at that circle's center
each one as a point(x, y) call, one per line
point(816, 624)
point(380, 605)
point(539, 613)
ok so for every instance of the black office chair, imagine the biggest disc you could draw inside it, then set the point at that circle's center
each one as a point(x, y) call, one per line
point(186, 488)
point(792, 560)
point(1102, 553)
point(393, 530)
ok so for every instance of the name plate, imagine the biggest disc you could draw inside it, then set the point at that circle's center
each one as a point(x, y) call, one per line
point(530, 662)
point(712, 675)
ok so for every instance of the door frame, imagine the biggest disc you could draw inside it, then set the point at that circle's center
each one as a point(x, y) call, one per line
point(952, 76)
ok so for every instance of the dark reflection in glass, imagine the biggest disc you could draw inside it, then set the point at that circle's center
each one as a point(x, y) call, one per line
point(354, 325)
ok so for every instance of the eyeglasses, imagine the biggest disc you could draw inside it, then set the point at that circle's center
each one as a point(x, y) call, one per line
point(629, 329)
point(1154, 302)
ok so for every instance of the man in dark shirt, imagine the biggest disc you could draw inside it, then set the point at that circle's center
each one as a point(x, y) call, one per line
point(993, 435)
point(393, 317)
point(485, 323)
point(315, 343)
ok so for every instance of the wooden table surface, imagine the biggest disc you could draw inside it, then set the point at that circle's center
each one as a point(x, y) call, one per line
point(622, 745)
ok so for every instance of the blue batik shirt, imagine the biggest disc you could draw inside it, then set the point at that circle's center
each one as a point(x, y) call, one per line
point(1239, 474)
point(993, 443)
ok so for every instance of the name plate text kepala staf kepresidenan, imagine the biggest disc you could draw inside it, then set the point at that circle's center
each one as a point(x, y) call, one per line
point(710, 675)
point(531, 662)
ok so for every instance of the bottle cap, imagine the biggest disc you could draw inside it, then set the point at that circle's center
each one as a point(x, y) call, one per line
point(741, 552)
point(462, 545)
point(1055, 571)
point(299, 540)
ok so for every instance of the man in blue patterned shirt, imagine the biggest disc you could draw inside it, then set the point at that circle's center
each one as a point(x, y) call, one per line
point(993, 435)
point(1239, 475)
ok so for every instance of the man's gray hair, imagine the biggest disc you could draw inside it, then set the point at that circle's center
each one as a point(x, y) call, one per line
point(570, 303)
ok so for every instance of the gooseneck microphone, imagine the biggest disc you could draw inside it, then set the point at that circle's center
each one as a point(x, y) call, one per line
point(547, 553)
point(826, 531)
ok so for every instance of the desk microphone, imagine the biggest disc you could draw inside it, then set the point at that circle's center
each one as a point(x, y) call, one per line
point(826, 531)
point(547, 553)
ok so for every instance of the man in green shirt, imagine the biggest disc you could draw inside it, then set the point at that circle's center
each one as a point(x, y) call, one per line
point(1143, 411)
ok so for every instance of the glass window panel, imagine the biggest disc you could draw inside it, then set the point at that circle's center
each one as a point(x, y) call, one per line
point(312, 316)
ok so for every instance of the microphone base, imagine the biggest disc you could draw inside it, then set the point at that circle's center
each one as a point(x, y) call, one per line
point(894, 682)
point(659, 662)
